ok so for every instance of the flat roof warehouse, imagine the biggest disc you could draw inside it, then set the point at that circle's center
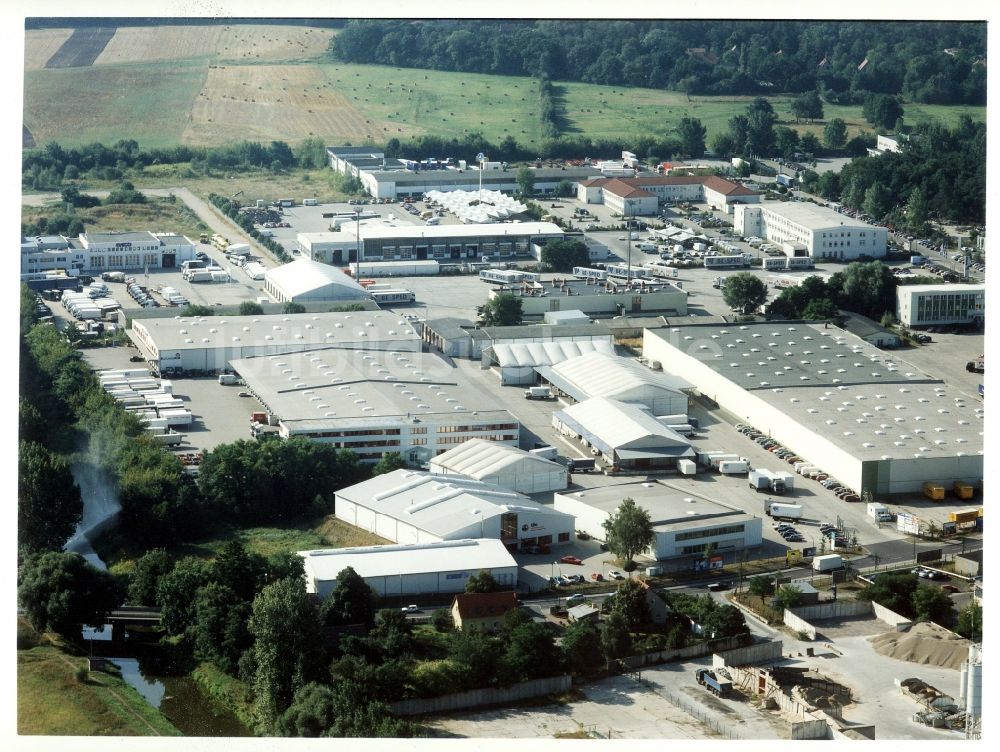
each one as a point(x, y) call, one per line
point(324, 388)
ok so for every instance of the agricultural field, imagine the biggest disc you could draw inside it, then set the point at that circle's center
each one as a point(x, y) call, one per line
point(238, 43)
point(52, 700)
point(150, 103)
point(41, 44)
point(207, 85)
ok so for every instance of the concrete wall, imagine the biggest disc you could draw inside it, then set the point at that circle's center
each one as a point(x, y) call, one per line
point(691, 651)
point(477, 697)
point(761, 652)
point(901, 623)
point(799, 625)
point(811, 729)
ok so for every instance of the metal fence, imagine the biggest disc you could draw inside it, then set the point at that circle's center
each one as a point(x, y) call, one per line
point(693, 709)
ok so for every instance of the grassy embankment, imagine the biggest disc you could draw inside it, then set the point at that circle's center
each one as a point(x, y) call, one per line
point(157, 215)
point(51, 700)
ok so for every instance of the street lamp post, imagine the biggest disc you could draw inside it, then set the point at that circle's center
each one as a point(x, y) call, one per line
point(481, 159)
point(357, 231)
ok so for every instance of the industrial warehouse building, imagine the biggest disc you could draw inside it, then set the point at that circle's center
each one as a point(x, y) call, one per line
point(374, 402)
point(936, 305)
point(210, 343)
point(95, 252)
point(641, 196)
point(626, 436)
point(306, 281)
point(505, 466)
point(443, 243)
point(870, 420)
point(684, 523)
point(463, 338)
point(623, 379)
point(417, 507)
point(802, 228)
point(518, 363)
point(596, 299)
point(411, 569)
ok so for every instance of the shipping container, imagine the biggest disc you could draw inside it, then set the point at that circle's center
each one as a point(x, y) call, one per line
point(686, 467)
point(827, 563)
point(934, 491)
point(733, 467)
point(963, 490)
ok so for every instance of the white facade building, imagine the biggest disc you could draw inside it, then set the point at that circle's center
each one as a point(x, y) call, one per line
point(934, 305)
point(597, 299)
point(641, 196)
point(374, 402)
point(861, 415)
point(410, 569)
point(804, 229)
point(684, 523)
point(211, 343)
point(304, 280)
point(416, 507)
point(500, 465)
point(97, 252)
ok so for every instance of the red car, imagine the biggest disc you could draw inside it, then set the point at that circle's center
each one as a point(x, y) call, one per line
point(570, 560)
point(597, 576)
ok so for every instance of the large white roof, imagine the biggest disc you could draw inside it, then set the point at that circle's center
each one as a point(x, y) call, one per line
point(811, 216)
point(439, 505)
point(530, 354)
point(304, 276)
point(479, 459)
point(302, 330)
point(412, 558)
point(599, 374)
point(622, 424)
point(376, 232)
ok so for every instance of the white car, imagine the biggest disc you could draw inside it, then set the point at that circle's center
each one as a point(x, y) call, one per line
point(411, 609)
point(614, 574)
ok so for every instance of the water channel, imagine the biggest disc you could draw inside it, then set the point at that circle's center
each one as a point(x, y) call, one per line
point(147, 668)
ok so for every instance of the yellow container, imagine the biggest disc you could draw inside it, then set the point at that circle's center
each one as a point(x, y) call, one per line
point(963, 490)
point(934, 491)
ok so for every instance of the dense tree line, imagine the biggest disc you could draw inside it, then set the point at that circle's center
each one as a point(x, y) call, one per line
point(48, 167)
point(942, 63)
point(868, 288)
point(231, 209)
point(939, 174)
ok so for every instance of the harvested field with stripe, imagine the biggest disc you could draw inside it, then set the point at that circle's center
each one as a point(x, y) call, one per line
point(82, 48)
point(42, 44)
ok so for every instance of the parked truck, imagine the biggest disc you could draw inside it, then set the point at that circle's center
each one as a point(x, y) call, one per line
point(717, 685)
point(733, 467)
point(780, 510)
point(976, 366)
point(765, 480)
point(538, 392)
point(827, 563)
point(227, 379)
point(879, 512)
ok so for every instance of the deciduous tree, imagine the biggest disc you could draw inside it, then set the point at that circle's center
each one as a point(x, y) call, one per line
point(629, 530)
point(502, 310)
point(49, 505)
point(353, 601)
point(60, 591)
point(563, 255)
point(744, 292)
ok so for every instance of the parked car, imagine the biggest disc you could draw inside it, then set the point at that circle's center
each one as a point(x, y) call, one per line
point(411, 609)
point(571, 560)
point(597, 577)
point(576, 578)
point(614, 574)
point(950, 588)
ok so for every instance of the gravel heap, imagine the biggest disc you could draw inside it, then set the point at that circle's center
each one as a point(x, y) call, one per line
point(925, 643)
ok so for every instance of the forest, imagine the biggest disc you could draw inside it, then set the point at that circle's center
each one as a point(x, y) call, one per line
point(933, 63)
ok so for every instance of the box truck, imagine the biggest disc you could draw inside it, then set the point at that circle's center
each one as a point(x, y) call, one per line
point(879, 512)
point(827, 563)
point(765, 480)
point(686, 467)
point(733, 467)
point(538, 392)
point(780, 510)
point(227, 379)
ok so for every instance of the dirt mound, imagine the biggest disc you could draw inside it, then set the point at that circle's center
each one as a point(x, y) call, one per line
point(924, 643)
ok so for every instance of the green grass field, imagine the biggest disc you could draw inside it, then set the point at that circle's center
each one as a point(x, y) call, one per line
point(152, 103)
point(149, 102)
point(157, 215)
point(51, 700)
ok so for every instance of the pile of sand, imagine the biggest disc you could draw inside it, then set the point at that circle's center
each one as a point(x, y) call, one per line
point(924, 643)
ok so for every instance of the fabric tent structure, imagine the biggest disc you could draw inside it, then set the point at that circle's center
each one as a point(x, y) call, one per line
point(305, 280)
point(517, 361)
point(475, 207)
point(599, 374)
point(501, 465)
point(626, 435)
